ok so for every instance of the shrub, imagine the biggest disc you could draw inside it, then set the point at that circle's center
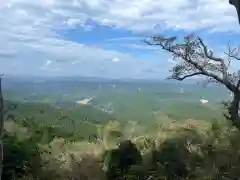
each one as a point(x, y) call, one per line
point(118, 161)
point(20, 157)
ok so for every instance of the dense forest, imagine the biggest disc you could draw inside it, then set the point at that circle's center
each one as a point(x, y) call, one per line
point(67, 140)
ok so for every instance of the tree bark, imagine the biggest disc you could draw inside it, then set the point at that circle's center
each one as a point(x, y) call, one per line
point(233, 110)
point(1, 128)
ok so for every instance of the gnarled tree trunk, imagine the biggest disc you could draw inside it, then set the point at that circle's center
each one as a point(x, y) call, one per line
point(233, 110)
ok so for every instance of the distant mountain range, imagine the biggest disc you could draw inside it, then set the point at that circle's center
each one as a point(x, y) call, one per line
point(28, 78)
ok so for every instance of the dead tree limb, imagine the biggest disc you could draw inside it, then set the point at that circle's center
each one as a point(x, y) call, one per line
point(194, 58)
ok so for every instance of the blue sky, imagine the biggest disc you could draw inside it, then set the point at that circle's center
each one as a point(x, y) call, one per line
point(102, 38)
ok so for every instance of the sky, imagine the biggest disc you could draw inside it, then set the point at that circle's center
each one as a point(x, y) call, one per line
point(102, 38)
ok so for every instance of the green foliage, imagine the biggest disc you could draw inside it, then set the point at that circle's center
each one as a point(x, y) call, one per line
point(189, 154)
point(183, 111)
point(41, 111)
point(72, 124)
point(89, 168)
point(20, 157)
point(185, 150)
point(125, 102)
point(118, 161)
point(48, 143)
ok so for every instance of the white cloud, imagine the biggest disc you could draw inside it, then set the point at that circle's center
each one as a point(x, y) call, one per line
point(31, 29)
point(72, 22)
point(144, 15)
point(136, 14)
point(48, 63)
point(133, 38)
point(141, 46)
point(50, 66)
point(115, 60)
point(75, 62)
point(28, 35)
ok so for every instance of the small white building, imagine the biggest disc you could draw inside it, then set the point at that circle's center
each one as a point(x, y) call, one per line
point(84, 101)
point(203, 101)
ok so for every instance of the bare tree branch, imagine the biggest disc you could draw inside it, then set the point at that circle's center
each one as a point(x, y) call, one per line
point(186, 76)
point(207, 54)
point(186, 50)
point(233, 53)
point(217, 59)
point(194, 58)
point(234, 56)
